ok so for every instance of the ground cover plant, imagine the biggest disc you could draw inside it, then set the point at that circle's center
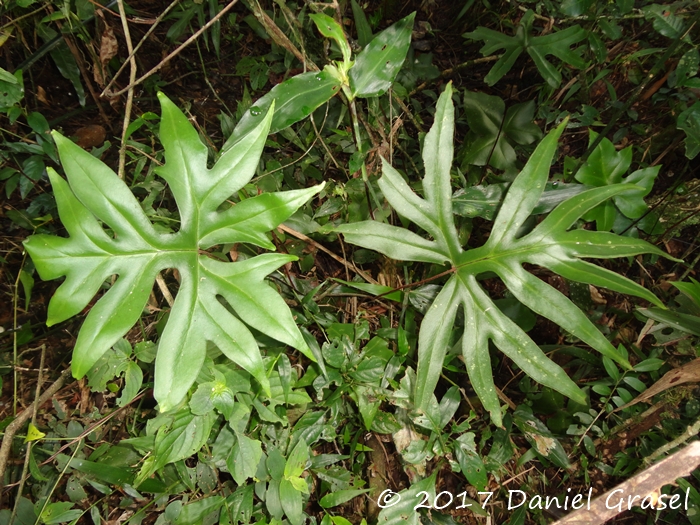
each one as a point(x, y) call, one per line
point(346, 263)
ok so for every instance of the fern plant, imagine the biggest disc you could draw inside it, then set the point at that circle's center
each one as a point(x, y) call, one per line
point(216, 298)
point(550, 245)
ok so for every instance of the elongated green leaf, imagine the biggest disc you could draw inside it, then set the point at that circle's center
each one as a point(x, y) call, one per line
point(434, 336)
point(195, 512)
point(113, 475)
point(405, 510)
point(135, 252)
point(684, 322)
point(291, 501)
point(550, 245)
point(295, 99)
point(379, 62)
point(364, 30)
point(689, 121)
point(340, 496)
point(691, 289)
point(485, 201)
point(331, 29)
point(392, 241)
point(183, 438)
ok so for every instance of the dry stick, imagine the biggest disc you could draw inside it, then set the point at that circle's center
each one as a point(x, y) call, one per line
point(690, 432)
point(342, 261)
point(130, 91)
point(138, 46)
point(643, 484)
point(28, 454)
point(92, 427)
point(279, 37)
point(179, 49)
point(22, 418)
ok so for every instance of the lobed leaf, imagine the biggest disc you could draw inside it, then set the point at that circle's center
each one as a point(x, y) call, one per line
point(550, 245)
point(538, 47)
point(216, 300)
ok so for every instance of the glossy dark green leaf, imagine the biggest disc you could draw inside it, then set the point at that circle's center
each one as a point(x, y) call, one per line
point(136, 252)
point(680, 321)
point(557, 43)
point(607, 166)
point(339, 497)
point(364, 30)
point(194, 513)
point(689, 121)
point(549, 244)
point(291, 501)
point(332, 29)
point(295, 99)
point(244, 458)
point(493, 130)
point(377, 65)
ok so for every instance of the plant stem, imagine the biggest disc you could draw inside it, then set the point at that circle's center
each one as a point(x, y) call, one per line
point(358, 143)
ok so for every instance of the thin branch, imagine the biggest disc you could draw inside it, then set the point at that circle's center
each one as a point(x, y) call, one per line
point(130, 91)
point(138, 46)
point(22, 418)
point(179, 49)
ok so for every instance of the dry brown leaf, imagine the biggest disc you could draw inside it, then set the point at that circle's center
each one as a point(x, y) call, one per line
point(108, 50)
point(688, 373)
point(41, 96)
point(596, 297)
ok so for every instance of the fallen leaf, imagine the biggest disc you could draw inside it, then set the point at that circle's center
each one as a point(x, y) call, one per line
point(108, 50)
point(41, 96)
point(688, 373)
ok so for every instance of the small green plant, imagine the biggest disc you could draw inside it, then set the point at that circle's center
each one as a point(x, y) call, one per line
point(538, 47)
point(216, 297)
point(607, 166)
point(493, 130)
point(549, 244)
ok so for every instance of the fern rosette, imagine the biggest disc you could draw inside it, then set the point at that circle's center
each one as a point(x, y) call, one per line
point(551, 244)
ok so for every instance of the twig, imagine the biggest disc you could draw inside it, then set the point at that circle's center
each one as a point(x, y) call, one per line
point(28, 454)
point(279, 37)
point(22, 418)
point(138, 46)
point(690, 432)
point(179, 49)
point(91, 428)
point(342, 261)
point(642, 485)
point(130, 91)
